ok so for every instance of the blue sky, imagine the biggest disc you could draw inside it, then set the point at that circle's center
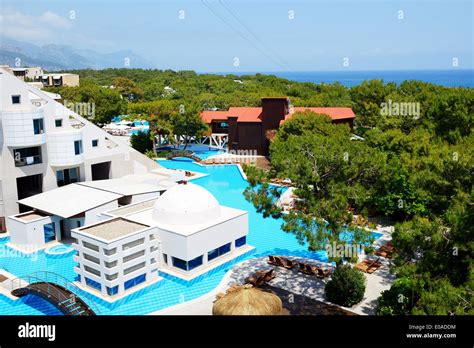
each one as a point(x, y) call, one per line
point(260, 33)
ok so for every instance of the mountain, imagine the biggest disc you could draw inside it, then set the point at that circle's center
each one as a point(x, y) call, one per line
point(63, 57)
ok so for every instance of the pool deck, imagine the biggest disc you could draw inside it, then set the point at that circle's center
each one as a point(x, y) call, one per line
point(294, 282)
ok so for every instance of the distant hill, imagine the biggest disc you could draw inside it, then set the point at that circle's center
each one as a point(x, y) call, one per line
point(63, 57)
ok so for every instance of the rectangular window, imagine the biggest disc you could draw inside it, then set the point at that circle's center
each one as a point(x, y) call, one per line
point(111, 264)
point(134, 256)
point(134, 268)
point(165, 258)
point(78, 147)
point(93, 284)
point(133, 244)
point(92, 270)
point(91, 258)
point(111, 276)
point(134, 281)
point(110, 251)
point(58, 122)
point(67, 176)
point(240, 241)
point(187, 265)
point(192, 264)
point(211, 255)
point(90, 246)
point(224, 249)
point(112, 291)
point(95, 142)
point(49, 234)
point(38, 126)
point(16, 99)
point(78, 224)
point(27, 156)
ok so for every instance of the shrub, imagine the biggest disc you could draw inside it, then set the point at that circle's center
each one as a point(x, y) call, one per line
point(141, 142)
point(346, 287)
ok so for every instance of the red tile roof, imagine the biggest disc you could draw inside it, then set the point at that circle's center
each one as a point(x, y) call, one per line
point(336, 113)
point(254, 114)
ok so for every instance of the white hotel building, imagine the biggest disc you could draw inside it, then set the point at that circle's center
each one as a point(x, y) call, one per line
point(44, 145)
point(184, 232)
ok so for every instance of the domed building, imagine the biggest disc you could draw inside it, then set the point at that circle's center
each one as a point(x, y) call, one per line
point(185, 232)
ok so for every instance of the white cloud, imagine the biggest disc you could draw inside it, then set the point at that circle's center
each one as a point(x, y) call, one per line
point(20, 26)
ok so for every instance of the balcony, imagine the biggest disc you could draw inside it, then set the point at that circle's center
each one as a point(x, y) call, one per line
point(23, 128)
point(65, 148)
point(27, 156)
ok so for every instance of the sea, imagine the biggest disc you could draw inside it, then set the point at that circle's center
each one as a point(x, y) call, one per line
point(450, 78)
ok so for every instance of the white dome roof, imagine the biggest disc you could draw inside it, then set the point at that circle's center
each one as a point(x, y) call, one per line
point(186, 204)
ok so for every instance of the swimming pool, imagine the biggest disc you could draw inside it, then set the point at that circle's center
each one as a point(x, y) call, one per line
point(202, 151)
point(223, 181)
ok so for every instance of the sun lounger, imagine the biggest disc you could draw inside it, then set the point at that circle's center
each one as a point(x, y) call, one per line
point(260, 277)
point(289, 264)
point(369, 266)
point(307, 269)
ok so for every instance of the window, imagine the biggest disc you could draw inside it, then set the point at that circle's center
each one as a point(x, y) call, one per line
point(187, 265)
point(16, 99)
point(134, 281)
point(179, 263)
point(112, 291)
point(58, 122)
point(27, 156)
point(134, 256)
point(91, 258)
point(192, 264)
point(110, 251)
point(38, 126)
point(90, 246)
point(95, 142)
point(240, 241)
point(133, 244)
point(165, 258)
point(67, 176)
point(49, 234)
point(111, 264)
point(218, 252)
point(224, 249)
point(93, 284)
point(92, 270)
point(78, 224)
point(134, 268)
point(111, 276)
point(78, 147)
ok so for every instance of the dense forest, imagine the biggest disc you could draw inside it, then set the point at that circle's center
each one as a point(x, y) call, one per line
point(414, 166)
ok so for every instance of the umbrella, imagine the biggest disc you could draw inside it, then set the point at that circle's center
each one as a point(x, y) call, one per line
point(247, 300)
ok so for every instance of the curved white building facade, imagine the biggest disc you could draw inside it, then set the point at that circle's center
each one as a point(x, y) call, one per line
point(23, 127)
point(65, 148)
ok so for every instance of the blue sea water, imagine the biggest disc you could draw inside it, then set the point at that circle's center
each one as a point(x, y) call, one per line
point(450, 78)
point(226, 183)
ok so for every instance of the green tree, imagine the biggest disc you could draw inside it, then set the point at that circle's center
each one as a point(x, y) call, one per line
point(141, 142)
point(330, 173)
point(187, 124)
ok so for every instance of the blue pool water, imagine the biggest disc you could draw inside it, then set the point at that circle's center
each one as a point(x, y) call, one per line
point(227, 184)
point(202, 151)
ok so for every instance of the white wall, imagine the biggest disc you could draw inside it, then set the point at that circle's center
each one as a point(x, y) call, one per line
point(200, 243)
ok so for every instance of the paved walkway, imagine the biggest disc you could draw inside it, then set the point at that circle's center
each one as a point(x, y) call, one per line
point(290, 280)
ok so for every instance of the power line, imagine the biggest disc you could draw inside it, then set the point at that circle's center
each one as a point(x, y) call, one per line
point(236, 17)
point(241, 35)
